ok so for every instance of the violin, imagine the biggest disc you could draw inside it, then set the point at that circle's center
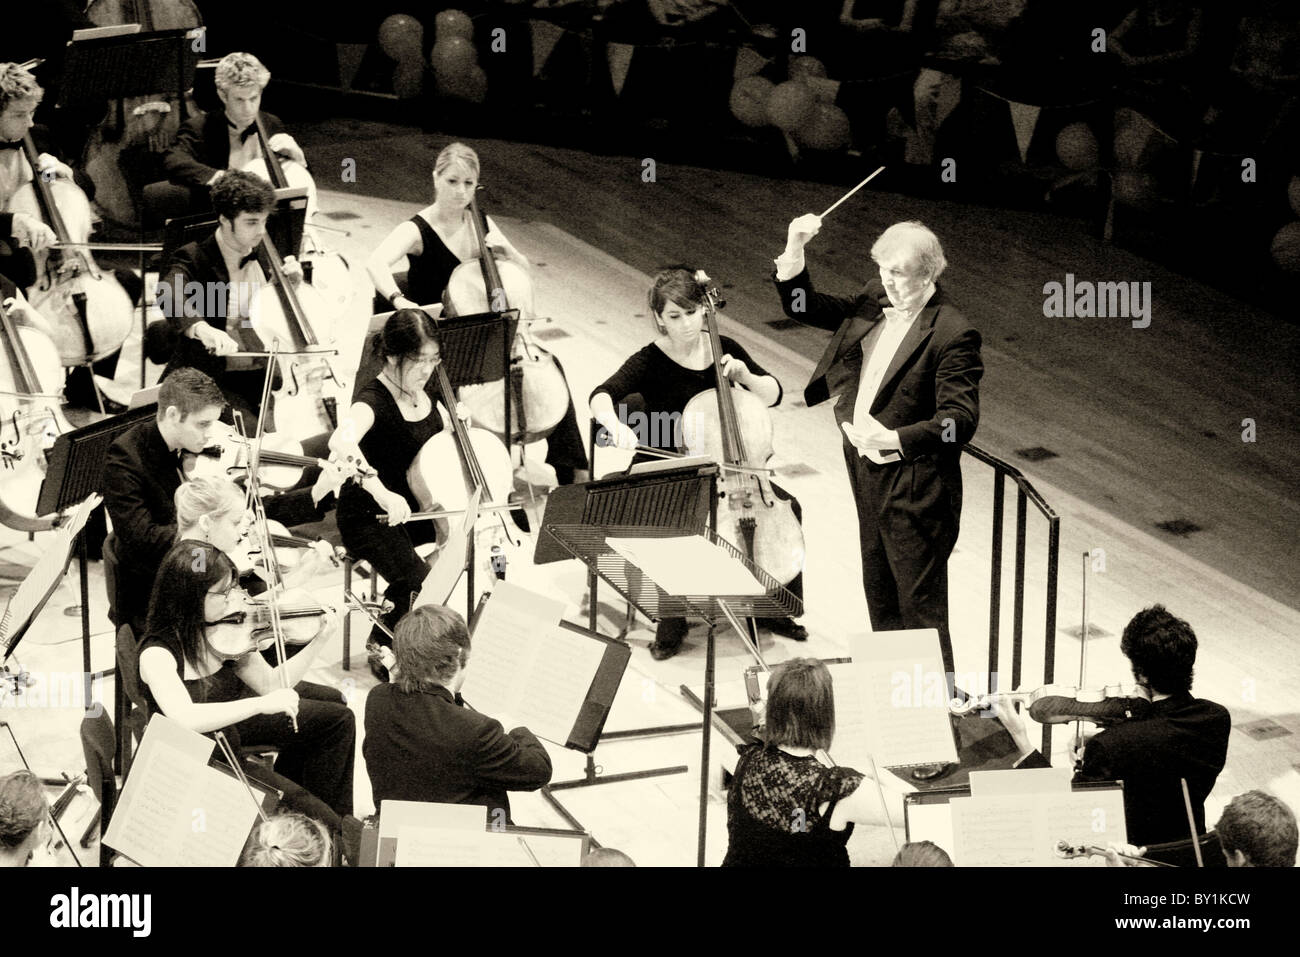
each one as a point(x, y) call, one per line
point(91, 314)
point(30, 418)
point(1069, 852)
point(280, 461)
point(732, 426)
point(539, 394)
point(250, 628)
point(123, 155)
point(1061, 704)
point(307, 403)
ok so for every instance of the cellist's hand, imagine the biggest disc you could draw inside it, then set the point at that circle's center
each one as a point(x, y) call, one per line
point(463, 413)
point(287, 146)
point(31, 232)
point(620, 437)
point(735, 369)
point(397, 507)
point(48, 162)
point(21, 311)
point(217, 342)
point(293, 270)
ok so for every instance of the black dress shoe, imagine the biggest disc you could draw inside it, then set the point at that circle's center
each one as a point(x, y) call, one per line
point(785, 627)
point(659, 652)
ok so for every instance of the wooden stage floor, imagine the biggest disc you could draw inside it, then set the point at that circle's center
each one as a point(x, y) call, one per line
point(1125, 410)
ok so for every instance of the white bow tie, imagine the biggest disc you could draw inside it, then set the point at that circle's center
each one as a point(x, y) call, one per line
point(897, 315)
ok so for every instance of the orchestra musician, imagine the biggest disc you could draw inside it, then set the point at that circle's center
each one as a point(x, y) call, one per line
point(906, 366)
point(1258, 830)
point(209, 145)
point(421, 741)
point(142, 473)
point(785, 807)
point(24, 818)
point(187, 679)
point(435, 241)
point(667, 374)
point(288, 839)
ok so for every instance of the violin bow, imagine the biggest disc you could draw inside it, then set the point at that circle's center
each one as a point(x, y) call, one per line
point(273, 602)
point(57, 826)
point(229, 754)
point(1083, 649)
point(1191, 823)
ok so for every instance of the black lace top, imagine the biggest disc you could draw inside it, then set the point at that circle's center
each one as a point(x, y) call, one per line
point(772, 811)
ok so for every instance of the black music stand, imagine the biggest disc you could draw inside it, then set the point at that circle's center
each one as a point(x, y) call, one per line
point(74, 469)
point(284, 226)
point(589, 543)
point(133, 64)
point(476, 349)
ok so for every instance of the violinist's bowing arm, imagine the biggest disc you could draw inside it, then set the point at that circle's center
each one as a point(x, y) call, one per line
point(863, 805)
point(158, 671)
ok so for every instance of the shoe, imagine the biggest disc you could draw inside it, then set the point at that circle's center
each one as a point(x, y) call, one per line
point(660, 652)
point(785, 627)
point(377, 657)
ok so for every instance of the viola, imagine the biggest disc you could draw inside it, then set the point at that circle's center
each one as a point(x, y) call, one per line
point(250, 628)
point(122, 154)
point(280, 461)
point(1061, 704)
point(31, 419)
point(307, 403)
point(88, 309)
point(732, 426)
point(539, 394)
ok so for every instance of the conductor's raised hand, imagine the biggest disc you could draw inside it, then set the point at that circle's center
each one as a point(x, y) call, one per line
point(802, 228)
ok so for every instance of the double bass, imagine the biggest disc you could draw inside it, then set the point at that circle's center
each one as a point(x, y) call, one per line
point(30, 385)
point(732, 426)
point(539, 395)
point(89, 311)
point(124, 153)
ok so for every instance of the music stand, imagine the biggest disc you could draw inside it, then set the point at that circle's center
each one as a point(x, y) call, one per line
point(75, 469)
point(135, 64)
point(590, 544)
point(476, 349)
point(284, 226)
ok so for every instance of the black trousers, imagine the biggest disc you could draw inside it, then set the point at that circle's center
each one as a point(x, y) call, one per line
point(390, 550)
point(316, 763)
point(670, 632)
point(905, 549)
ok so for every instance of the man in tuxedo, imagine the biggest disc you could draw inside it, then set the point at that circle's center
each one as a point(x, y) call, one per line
point(423, 744)
point(208, 145)
point(906, 366)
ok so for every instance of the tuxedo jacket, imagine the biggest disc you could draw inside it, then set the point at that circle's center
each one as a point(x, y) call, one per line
point(202, 147)
point(199, 262)
point(426, 746)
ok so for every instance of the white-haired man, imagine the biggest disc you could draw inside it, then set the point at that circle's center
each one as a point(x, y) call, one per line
point(906, 366)
point(208, 145)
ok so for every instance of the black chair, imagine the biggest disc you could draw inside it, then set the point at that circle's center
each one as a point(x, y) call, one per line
point(130, 707)
point(98, 741)
point(110, 576)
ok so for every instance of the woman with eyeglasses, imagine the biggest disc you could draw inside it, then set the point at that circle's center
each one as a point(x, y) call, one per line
point(187, 678)
point(387, 425)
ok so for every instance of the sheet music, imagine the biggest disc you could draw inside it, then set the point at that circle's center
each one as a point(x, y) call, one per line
point(899, 679)
point(176, 810)
point(1024, 829)
point(446, 571)
point(396, 816)
point(447, 847)
point(689, 565)
point(44, 577)
point(525, 665)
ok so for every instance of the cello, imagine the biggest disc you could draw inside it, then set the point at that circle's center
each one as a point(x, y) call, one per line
point(91, 314)
point(732, 426)
point(539, 395)
point(30, 383)
point(140, 127)
point(307, 403)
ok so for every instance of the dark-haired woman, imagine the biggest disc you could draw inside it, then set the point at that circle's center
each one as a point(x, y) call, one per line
point(785, 807)
point(666, 375)
point(190, 682)
point(434, 242)
point(387, 425)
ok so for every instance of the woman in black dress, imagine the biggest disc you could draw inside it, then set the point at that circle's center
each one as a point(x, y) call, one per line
point(664, 376)
point(435, 241)
point(391, 419)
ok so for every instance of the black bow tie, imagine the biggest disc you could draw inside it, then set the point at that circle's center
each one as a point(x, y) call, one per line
point(248, 259)
point(15, 145)
point(246, 132)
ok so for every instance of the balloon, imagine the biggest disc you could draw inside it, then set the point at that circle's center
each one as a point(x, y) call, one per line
point(471, 85)
point(806, 66)
point(408, 79)
point(1285, 248)
point(400, 35)
point(1134, 189)
point(1131, 141)
point(1076, 147)
point(453, 56)
point(749, 100)
point(1293, 194)
point(790, 105)
point(453, 23)
point(827, 128)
